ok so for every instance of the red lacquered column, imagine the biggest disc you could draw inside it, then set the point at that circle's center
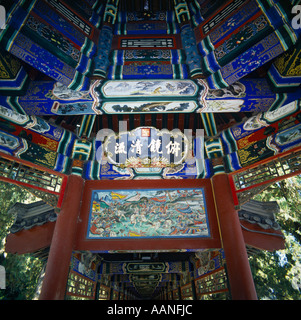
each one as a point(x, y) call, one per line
point(57, 269)
point(239, 273)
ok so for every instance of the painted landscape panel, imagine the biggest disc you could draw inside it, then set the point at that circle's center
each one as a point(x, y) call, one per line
point(148, 213)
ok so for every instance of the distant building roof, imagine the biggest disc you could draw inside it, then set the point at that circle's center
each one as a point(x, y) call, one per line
point(30, 215)
point(261, 213)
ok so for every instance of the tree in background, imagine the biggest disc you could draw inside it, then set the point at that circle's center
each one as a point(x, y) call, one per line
point(22, 271)
point(277, 275)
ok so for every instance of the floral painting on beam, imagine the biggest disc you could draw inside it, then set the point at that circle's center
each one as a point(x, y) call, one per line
point(148, 213)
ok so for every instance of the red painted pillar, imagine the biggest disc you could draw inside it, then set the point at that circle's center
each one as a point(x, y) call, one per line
point(57, 269)
point(239, 273)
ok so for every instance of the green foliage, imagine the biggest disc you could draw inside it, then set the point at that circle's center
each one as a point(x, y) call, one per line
point(22, 271)
point(9, 195)
point(272, 280)
point(277, 275)
point(22, 275)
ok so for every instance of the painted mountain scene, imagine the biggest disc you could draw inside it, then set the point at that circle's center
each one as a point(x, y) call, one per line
point(148, 213)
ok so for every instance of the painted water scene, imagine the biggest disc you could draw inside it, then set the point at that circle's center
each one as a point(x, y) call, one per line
point(148, 213)
point(153, 88)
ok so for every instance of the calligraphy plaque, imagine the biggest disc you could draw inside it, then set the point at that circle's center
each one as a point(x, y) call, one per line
point(147, 147)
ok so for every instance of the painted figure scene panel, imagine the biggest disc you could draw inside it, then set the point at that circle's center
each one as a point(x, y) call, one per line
point(148, 213)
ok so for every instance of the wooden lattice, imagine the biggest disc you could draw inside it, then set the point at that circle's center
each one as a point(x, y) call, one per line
point(186, 292)
point(214, 282)
point(103, 292)
point(31, 176)
point(247, 183)
point(80, 286)
point(43, 184)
